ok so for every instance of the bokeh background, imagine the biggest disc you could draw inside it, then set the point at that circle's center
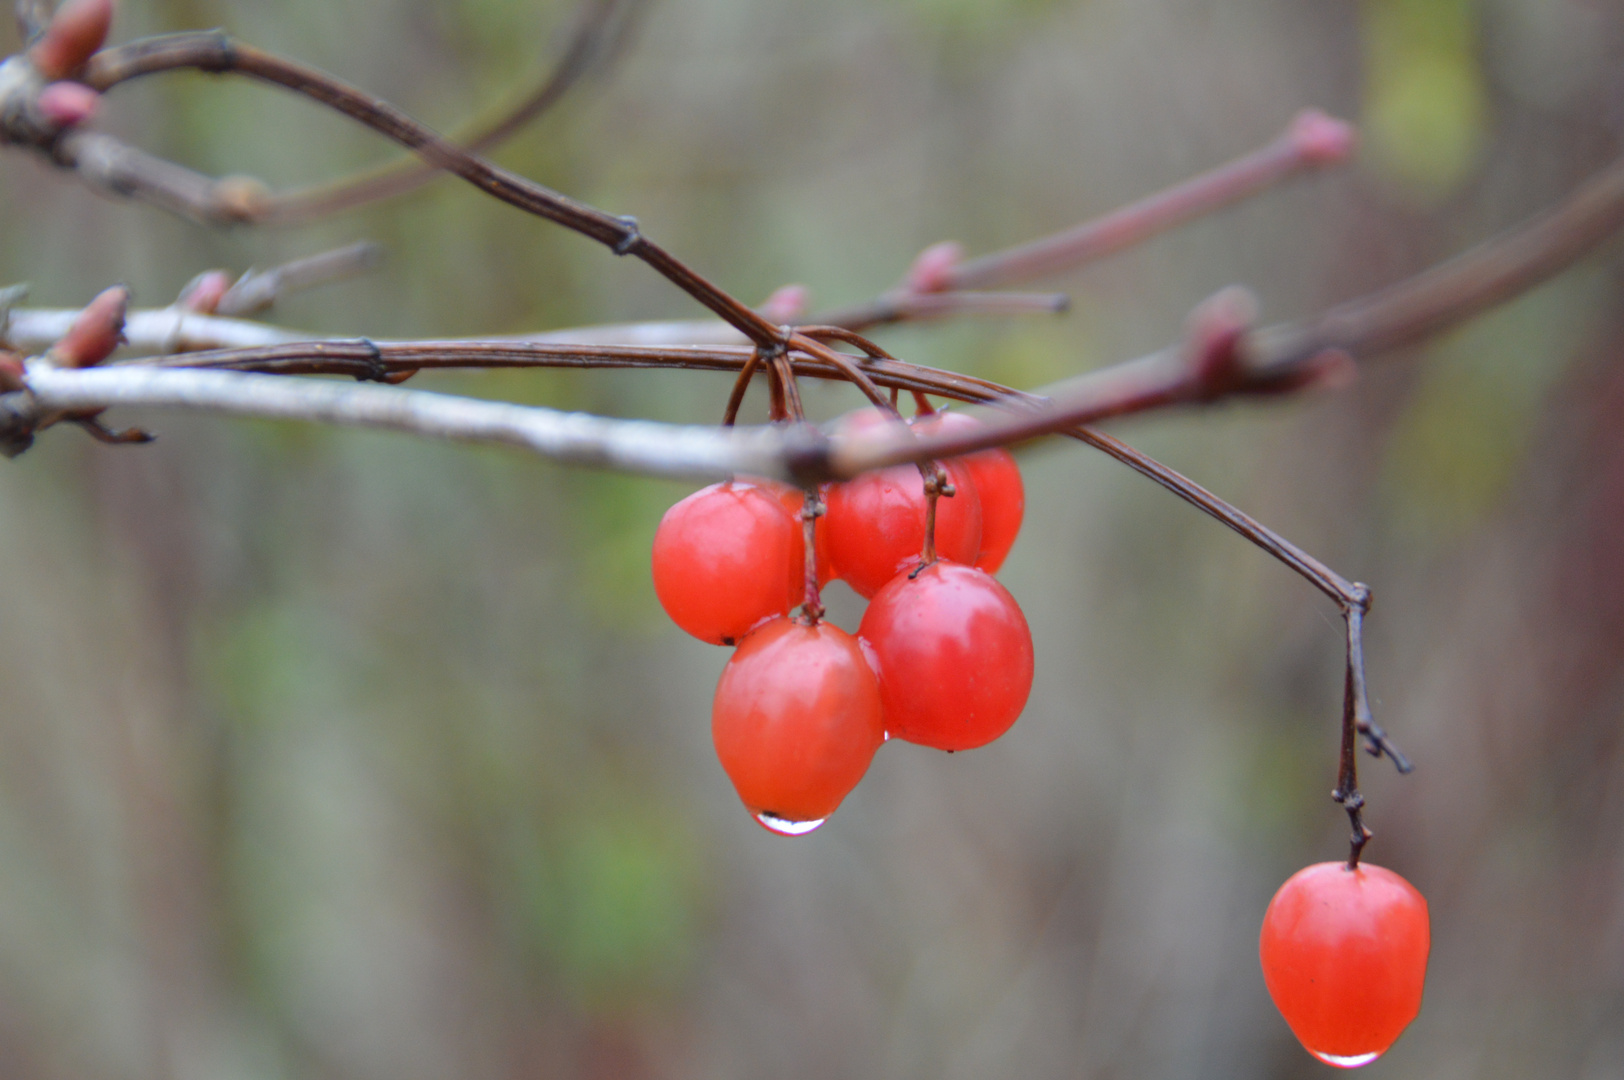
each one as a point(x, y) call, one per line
point(344, 756)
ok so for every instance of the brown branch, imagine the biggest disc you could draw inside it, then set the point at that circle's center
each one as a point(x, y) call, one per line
point(599, 32)
point(216, 53)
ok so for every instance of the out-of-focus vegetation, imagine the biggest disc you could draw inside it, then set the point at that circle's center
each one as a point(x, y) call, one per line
point(340, 755)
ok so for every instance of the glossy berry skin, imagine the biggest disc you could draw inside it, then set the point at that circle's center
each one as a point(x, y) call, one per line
point(998, 484)
point(1345, 957)
point(876, 524)
point(953, 655)
point(796, 719)
point(726, 558)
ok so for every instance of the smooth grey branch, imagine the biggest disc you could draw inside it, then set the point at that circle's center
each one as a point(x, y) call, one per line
point(641, 446)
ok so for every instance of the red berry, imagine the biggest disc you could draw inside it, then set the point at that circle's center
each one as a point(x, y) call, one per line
point(998, 484)
point(1345, 956)
point(726, 558)
point(953, 655)
point(796, 721)
point(876, 524)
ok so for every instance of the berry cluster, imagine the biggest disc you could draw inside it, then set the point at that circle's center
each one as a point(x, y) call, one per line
point(943, 656)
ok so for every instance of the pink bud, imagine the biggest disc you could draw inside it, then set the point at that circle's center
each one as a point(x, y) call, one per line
point(203, 293)
point(77, 30)
point(933, 270)
point(787, 304)
point(97, 331)
point(1322, 139)
point(65, 104)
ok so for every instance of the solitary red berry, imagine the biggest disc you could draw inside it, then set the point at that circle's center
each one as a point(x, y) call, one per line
point(998, 485)
point(953, 654)
point(796, 721)
point(726, 558)
point(1345, 958)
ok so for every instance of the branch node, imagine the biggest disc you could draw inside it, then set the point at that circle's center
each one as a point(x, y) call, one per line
point(633, 237)
point(1215, 343)
point(376, 369)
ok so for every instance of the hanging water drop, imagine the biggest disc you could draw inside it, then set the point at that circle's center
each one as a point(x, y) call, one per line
point(1350, 1061)
point(785, 827)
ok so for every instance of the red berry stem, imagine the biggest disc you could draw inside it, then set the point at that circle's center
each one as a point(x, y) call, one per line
point(791, 389)
point(740, 385)
point(936, 485)
point(1358, 724)
point(812, 508)
point(778, 409)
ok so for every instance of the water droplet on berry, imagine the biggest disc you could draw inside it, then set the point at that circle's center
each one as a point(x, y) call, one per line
point(785, 827)
point(1352, 1061)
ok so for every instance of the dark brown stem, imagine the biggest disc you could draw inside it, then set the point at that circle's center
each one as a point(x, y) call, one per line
point(599, 31)
point(806, 342)
point(794, 411)
point(812, 508)
point(1353, 700)
point(741, 385)
point(217, 53)
point(932, 472)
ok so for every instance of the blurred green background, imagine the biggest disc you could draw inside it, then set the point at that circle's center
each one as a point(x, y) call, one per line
point(340, 755)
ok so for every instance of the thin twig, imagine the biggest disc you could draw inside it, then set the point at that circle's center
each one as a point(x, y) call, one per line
point(217, 53)
point(597, 35)
point(257, 290)
point(1312, 141)
point(1289, 357)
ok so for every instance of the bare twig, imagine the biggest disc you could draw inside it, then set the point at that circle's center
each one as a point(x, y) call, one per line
point(217, 53)
point(1293, 356)
point(1313, 140)
point(599, 32)
point(259, 289)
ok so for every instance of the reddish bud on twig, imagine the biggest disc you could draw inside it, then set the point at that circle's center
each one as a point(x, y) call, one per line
point(787, 304)
point(1213, 344)
point(1322, 139)
point(97, 331)
point(11, 372)
point(933, 270)
point(202, 294)
point(77, 30)
point(65, 104)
